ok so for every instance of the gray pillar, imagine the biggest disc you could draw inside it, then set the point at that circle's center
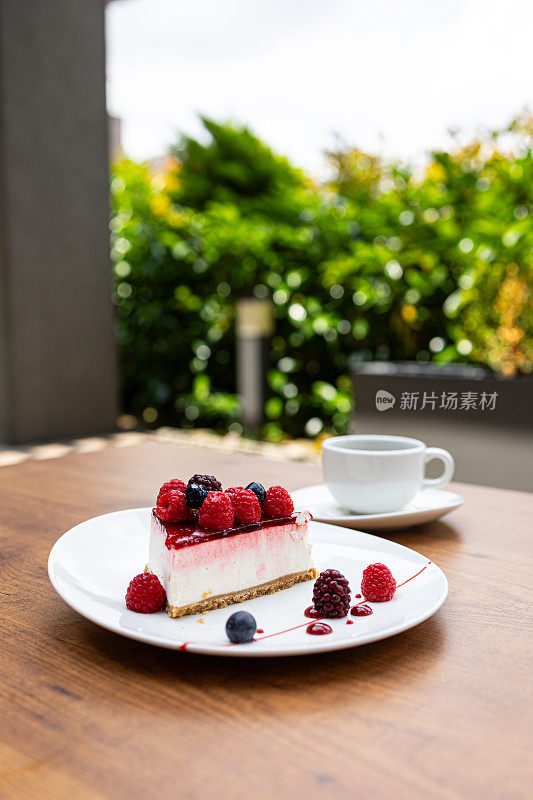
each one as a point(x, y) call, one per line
point(57, 353)
point(255, 326)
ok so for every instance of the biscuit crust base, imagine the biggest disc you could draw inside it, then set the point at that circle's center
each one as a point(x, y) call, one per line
point(222, 600)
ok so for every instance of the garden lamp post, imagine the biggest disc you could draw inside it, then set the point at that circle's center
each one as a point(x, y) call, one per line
point(255, 325)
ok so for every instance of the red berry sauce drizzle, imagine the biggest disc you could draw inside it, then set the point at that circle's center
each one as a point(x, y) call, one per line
point(312, 613)
point(361, 610)
point(318, 629)
point(184, 646)
point(414, 576)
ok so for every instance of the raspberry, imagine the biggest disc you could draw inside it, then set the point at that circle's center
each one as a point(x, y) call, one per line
point(145, 594)
point(209, 482)
point(378, 584)
point(233, 489)
point(173, 483)
point(245, 504)
point(216, 512)
point(278, 502)
point(331, 594)
point(171, 506)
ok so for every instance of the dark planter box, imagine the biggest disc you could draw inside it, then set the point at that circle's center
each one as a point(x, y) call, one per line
point(490, 439)
point(449, 393)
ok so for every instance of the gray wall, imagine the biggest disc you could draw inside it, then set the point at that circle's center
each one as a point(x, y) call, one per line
point(57, 355)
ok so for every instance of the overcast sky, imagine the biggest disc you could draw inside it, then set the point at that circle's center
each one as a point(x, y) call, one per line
point(386, 75)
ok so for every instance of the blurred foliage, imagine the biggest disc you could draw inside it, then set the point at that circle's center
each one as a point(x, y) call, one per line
point(383, 262)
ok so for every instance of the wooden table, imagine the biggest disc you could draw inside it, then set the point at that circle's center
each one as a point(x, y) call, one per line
point(440, 711)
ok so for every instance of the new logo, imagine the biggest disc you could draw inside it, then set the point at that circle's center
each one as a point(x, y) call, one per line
point(384, 400)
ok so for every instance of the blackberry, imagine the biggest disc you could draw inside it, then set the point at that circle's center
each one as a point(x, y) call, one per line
point(331, 594)
point(209, 482)
point(258, 490)
point(195, 495)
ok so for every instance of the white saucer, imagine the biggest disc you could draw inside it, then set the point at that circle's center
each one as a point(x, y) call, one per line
point(427, 505)
point(92, 564)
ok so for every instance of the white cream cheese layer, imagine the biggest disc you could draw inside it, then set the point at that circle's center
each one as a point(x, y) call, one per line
point(220, 566)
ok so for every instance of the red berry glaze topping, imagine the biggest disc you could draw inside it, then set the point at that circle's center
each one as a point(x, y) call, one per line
point(171, 506)
point(378, 584)
point(245, 504)
point(174, 483)
point(145, 594)
point(331, 594)
point(278, 503)
point(216, 512)
point(209, 482)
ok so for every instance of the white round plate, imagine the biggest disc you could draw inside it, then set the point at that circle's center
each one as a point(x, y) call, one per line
point(426, 506)
point(91, 565)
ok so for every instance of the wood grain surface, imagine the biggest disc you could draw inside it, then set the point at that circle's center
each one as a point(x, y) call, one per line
point(440, 711)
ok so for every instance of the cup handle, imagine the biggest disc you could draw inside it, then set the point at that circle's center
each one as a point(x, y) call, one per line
point(449, 467)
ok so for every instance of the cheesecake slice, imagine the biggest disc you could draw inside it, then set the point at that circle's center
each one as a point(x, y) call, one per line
point(202, 569)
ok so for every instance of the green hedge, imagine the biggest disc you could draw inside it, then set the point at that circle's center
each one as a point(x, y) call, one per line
point(384, 262)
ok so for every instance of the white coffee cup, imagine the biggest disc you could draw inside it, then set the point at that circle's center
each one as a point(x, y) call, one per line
point(377, 473)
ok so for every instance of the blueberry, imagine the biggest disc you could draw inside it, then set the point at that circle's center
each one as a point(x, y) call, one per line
point(195, 495)
point(241, 627)
point(258, 490)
